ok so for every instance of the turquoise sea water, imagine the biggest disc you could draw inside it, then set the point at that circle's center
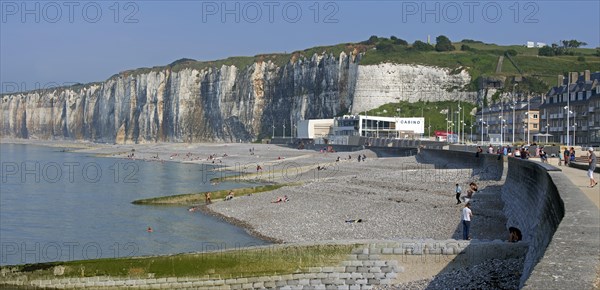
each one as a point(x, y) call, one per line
point(59, 206)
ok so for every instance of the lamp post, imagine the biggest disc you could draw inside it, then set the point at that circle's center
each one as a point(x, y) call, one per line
point(471, 133)
point(528, 118)
point(574, 129)
point(501, 131)
point(526, 125)
point(568, 105)
point(273, 137)
point(514, 104)
point(482, 123)
point(283, 136)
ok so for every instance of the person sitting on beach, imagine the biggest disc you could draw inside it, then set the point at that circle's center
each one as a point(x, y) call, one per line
point(472, 189)
point(338, 159)
point(514, 235)
point(319, 168)
point(258, 168)
point(207, 197)
point(194, 208)
point(281, 199)
point(229, 196)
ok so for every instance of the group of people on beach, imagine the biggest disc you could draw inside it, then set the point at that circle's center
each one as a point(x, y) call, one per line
point(466, 213)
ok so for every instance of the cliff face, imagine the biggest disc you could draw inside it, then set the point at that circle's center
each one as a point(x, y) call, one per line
point(219, 104)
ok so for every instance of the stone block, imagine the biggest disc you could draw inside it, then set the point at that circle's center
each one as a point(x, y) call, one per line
point(247, 286)
point(270, 284)
point(351, 269)
point(387, 251)
point(339, 269)
point(375, 270)
point(368, 263)
point(303, 282)
point(374, 281)
point(362, 281)
point(363, 257)
point(315, 282)
point(374, 257)
point(354, 287)
point(391, 275)
point(328, 269)
point(314, 269)
point(292, 282)
point(356, 263)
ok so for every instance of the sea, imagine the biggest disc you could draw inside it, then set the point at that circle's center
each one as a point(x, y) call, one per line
point(57, 205)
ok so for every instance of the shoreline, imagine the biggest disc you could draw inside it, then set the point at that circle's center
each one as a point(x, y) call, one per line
point(239, 223)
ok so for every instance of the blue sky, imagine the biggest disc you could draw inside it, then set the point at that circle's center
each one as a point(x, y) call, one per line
point(47, 43)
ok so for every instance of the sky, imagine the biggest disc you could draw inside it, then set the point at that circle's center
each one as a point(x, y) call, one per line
point(50, 43)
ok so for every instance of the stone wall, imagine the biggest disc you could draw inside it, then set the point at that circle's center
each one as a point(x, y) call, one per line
point(558, 221)
point(375, 263)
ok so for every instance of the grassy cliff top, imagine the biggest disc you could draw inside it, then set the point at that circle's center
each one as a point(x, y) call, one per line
point(479, 59)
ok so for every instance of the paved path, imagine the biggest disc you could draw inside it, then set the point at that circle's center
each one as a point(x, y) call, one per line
point(580, 179)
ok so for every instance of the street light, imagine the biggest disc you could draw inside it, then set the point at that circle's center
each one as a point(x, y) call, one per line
point(513, 107)
point(501, 130)
point(482, 123)
point(574, 129)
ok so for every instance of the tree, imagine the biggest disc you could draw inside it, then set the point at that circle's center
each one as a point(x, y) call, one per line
point(443, 44)
point(567, 44)
point(422, 46)
point(372, 40)
point(546, 51)
point(465, 47)
point(384, 46)
point(399, 41)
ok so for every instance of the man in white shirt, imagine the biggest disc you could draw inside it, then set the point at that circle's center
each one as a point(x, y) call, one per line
point(466, 220)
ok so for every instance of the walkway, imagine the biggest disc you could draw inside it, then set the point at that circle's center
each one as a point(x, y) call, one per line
point(580, 179)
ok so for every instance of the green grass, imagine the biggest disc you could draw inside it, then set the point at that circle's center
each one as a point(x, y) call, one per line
point(236, 263)
point(431, 112)
point(192, 198)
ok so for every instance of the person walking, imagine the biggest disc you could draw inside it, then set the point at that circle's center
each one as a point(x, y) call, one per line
point(458, 193)
point(467, 214)
point(566, 154)
point(592, 166)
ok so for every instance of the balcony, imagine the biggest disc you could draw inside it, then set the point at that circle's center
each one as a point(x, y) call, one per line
point(591, 109)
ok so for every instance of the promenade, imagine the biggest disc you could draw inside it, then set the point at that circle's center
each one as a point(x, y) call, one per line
point(580, 179)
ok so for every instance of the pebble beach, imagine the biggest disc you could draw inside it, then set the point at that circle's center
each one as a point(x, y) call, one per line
point(383, 198)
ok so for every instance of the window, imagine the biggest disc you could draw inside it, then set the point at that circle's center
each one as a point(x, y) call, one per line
point(535, 116)
point(535, 126)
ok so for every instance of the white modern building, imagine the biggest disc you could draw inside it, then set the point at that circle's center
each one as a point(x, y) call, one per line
point(379, 127)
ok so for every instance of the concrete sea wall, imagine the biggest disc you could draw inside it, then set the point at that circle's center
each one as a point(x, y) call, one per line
point(558, 221)
point(560, 224)
point(486, 166)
